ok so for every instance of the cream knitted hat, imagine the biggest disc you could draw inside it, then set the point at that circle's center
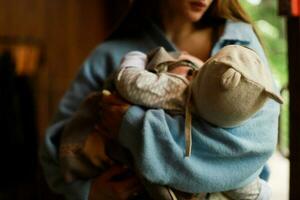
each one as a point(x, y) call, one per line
point(231, 87)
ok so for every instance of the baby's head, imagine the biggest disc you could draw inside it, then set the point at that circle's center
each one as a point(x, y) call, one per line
point(180, 63)
point(232, 86)
point(184, 65)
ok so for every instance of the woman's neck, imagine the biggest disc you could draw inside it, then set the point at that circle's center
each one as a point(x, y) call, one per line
point(187, 37)
point(177, 28)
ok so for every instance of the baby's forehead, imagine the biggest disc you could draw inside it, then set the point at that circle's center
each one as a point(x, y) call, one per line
point(175, 54)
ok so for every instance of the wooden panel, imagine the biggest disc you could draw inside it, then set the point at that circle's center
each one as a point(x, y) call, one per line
point(69, 30)
point(22, 18)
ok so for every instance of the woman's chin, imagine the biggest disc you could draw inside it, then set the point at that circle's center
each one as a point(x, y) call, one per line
point(194, 17)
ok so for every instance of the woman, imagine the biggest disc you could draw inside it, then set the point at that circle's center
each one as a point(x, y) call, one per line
point(200, 27)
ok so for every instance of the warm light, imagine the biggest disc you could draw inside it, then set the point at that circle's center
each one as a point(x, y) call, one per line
point(26, 59)
point(268, 29)
point(254, 2)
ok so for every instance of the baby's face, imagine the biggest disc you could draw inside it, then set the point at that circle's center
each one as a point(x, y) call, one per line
point(184, 70)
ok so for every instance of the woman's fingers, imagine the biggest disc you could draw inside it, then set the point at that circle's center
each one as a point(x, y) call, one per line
point(112, 172)
point(117, 183)
point(127, 188)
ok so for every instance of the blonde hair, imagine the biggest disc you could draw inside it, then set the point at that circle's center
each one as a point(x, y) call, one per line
point(221, 10)
point(229, 9)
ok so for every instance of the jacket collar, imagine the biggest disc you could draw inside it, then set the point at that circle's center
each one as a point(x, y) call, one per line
point(236, 31)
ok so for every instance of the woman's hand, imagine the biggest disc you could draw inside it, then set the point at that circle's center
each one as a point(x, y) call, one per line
point(113, 108)
point(113, 185)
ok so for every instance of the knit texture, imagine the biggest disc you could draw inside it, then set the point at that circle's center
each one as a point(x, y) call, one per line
point(232, 86)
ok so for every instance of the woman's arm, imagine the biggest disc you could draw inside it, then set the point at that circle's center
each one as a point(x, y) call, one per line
point(105, 187)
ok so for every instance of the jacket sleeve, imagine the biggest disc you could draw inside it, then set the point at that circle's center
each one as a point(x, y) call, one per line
point(90, 78)
point(222, 159)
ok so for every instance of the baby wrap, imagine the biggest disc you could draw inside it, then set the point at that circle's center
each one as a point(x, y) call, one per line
point(102, 165)
point(85, 154)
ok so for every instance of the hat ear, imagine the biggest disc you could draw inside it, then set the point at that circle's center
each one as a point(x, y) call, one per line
point(274, 96)
point(230, 79)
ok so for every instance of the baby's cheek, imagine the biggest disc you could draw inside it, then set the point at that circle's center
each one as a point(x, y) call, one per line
point(183, 71)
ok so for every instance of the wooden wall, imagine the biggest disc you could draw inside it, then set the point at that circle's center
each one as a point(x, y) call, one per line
point(68, 29)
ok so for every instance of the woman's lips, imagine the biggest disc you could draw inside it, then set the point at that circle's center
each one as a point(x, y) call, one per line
point(197, 5)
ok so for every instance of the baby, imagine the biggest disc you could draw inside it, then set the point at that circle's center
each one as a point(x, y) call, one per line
point(179, 83)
